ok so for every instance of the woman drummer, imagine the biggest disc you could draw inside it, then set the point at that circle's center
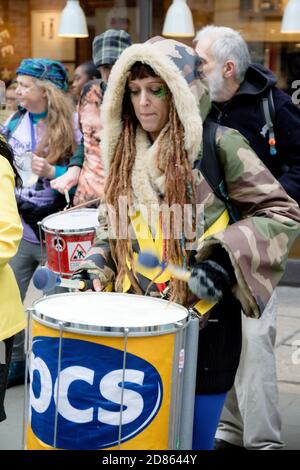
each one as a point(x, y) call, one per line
point(151, 145)
point(43, 134)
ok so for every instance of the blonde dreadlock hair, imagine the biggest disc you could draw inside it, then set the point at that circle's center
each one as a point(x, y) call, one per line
point(179, 186)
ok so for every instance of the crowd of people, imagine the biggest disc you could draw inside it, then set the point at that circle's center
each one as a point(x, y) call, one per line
point(138, 132)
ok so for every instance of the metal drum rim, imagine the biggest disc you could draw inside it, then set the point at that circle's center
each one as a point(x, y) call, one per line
point(61, 231)
point(66, 231)
point(98, 330)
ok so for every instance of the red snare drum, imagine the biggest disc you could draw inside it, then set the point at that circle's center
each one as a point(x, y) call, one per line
point(68, 237)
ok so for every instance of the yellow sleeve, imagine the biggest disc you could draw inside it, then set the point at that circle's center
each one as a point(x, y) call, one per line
point(10, 223)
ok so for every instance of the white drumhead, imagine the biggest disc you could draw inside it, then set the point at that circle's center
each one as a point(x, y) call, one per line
point(73, 220)
point(102, 309)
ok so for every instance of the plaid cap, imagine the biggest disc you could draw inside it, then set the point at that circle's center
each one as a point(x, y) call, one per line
point(45, 69)
point(108, 46)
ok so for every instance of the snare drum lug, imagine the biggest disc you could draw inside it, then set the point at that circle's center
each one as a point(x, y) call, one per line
point(29, 309)
point(193, 313)
point(203, 319)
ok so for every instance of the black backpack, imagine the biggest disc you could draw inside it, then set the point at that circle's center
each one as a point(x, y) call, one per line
point(209, 164)
point(210, 167)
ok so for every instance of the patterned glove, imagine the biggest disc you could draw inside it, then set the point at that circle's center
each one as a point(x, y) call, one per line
point(209, 280)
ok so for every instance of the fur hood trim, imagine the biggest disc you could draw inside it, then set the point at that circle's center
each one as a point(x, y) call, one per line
point(163, 56)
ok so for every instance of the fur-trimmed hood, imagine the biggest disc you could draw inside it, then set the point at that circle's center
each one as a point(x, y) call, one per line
point(177, 64)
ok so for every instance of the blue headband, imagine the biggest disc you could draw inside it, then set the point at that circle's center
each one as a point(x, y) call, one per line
point(45, 69)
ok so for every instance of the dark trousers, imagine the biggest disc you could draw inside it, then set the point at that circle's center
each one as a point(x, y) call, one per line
point(4, 373)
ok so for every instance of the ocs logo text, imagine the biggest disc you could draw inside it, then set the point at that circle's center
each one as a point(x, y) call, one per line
point(90, 394)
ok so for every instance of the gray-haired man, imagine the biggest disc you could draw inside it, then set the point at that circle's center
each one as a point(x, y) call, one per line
point(237, 89)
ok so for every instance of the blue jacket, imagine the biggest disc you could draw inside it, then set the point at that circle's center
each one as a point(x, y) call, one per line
point(244, 113)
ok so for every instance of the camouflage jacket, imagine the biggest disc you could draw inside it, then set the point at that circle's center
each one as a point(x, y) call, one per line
point(257, 244)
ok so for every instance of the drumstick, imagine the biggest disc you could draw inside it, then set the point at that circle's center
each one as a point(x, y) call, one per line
point(149, 260)
point(83, 204)
point(46, 280)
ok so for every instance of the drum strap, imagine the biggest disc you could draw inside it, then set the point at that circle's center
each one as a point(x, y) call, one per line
point(147, 243)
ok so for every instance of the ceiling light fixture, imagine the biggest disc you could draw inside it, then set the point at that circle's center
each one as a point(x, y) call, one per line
point(179, 21)
point(73, 21)
point(291, 17)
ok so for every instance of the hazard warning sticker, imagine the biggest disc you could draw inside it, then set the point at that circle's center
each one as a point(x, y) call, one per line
point(77, 252)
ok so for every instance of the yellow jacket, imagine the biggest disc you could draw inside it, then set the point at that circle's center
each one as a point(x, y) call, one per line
point(12, 316)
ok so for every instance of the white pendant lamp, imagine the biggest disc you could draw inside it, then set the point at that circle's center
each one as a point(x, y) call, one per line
point(73, 21)
point(179, 21)
point(291, 17)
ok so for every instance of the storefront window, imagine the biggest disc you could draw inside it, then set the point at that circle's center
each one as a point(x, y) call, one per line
point(259, 22)
point(29, 28)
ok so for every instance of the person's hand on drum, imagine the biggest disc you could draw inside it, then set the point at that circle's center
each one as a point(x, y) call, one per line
point(66, 181)
point(97, 286)
point(41, 167)
point(90, 280)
